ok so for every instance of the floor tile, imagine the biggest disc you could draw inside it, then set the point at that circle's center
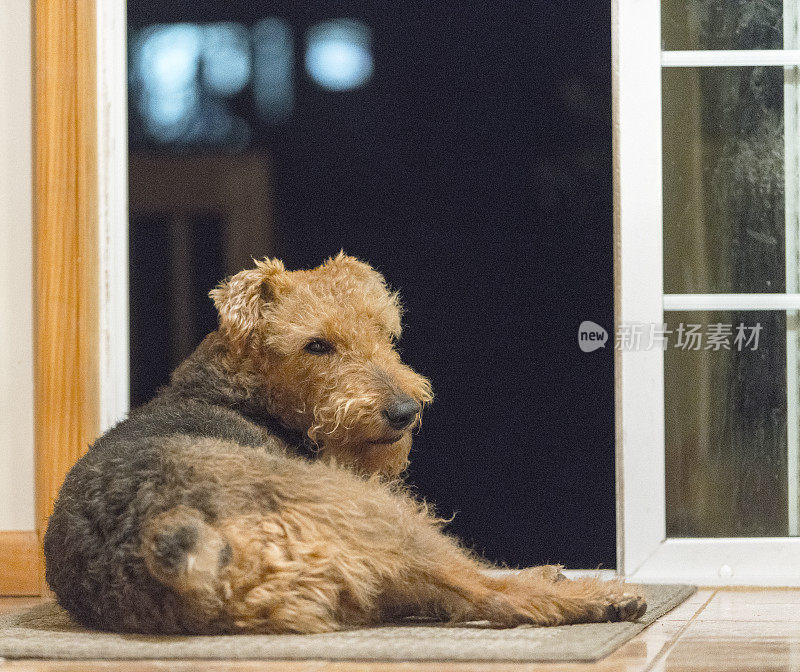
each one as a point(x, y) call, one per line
point(732, 630)
point(743, 611)
point(756, 596)
point(687, 610)
point(689, 655)
point(700, 596)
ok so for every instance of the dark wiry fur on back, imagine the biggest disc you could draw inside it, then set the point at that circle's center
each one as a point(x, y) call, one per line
point(92, 545)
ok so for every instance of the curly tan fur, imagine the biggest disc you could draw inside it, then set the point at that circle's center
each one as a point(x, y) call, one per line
point(269, 315)
point(257, 492)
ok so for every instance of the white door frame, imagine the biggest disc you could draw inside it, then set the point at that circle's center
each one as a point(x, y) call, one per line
point(644, 553)
point(112, 172)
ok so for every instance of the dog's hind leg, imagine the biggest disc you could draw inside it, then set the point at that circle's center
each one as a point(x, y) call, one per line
point(442, 580)
point(293, 572)
point(460, 596)
point(349, 552)
point(250, 573)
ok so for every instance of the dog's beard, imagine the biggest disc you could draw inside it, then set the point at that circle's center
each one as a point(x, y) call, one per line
point(386, 459)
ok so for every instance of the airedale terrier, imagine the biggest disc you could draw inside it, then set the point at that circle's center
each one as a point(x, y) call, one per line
point(257, 492)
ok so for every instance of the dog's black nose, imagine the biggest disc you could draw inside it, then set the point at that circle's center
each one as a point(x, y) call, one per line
point(401, 412)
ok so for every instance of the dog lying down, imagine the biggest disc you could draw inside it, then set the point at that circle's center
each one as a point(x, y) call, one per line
point(259, 490)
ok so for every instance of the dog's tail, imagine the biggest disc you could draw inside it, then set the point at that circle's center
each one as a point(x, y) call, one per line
point(187, 554)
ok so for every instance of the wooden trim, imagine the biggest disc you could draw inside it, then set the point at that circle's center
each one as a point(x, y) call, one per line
point(19, 558)
point(66, 247)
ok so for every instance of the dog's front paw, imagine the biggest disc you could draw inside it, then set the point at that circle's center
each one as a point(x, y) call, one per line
point(626, 607)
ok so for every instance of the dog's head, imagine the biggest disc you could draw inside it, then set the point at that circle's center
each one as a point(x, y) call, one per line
point(320, 346)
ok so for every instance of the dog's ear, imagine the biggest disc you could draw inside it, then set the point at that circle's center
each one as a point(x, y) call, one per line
point(372, 281)
point(242, 300)
point(353, 267)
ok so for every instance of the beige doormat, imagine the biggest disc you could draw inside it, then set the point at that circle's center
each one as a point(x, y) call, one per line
point(45, 631)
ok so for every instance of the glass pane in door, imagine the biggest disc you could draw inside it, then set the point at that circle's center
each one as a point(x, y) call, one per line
point(726, 415)
point(724, 197)
point(722, 24)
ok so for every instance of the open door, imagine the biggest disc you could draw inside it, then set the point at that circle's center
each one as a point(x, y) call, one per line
point(707, 227)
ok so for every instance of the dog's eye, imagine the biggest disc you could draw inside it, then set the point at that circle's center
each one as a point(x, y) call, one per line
point(318, 346)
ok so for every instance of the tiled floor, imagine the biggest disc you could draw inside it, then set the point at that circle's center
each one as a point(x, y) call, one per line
point(714, 631)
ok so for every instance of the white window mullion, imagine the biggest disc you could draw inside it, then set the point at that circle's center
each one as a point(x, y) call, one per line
point(788, 302)
point(710, 59)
